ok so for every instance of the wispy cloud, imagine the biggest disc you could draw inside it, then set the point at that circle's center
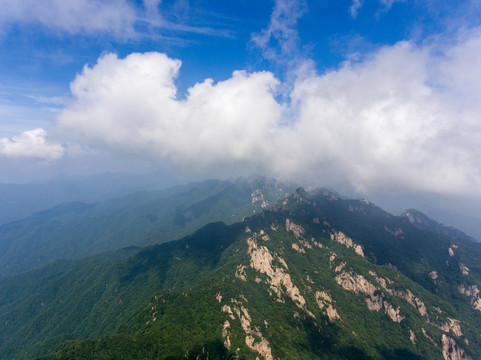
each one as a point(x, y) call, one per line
point(27, 111)
point(118, 18)
point(356, 5)
point(389, 3)
point(354, 8)
point(76, 16)
point(279, 42)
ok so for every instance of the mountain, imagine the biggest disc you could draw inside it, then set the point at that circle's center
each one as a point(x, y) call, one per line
point(22, 200)
point(317, 276)
point(75, 230)
point(422, 221)
point(461, 211)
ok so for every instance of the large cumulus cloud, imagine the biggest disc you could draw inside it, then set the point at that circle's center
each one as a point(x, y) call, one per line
point(405, 117)
point(131, 104)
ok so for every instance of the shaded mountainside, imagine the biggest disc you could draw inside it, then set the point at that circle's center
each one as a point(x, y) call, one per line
point(315, 277)
point(420, 220)
point(77, 230)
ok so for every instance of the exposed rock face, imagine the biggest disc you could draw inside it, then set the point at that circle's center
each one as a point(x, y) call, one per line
point(410, 217)
point(451, 350)
point(412, 337)
point(227, 309)
point(464, 269)
point(341, 238)
point(225, 334)
point(454, 326)
point(472, 292)
point(324, 301)
point(296, 229)
point(413, 300)
point(305, 243)
point(381, 281)
point(240, 273)
point(403, 294)
point(318, 244)
point(429, 337)
point(298, 249)
point(433, 275)
point(414, 219)
point(392, 312)
point(356, 283)
point(331, 259)
point(375, 302)
point(262, 260)
point(257, 198)
point(396, 232)
point(330, 195)
point(451, 251)
point(332, 313)
point(339, 267)
point(262, 347)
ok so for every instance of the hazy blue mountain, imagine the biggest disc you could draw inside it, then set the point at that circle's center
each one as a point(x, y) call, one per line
point(317, 276)
point(461, 212)
point(422, 221)
point(75, 230)
point(21, 200)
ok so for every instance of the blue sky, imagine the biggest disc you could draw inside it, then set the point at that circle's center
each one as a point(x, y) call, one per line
point(371, 95)
point(39, 57)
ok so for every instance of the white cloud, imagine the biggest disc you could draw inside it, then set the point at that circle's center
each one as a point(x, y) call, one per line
point(407, 117)
point(130, 104)
point(389, 3)
point(123, 19)
point(380, 124)
point(31, 144)
point(356, 5)
point(354, 8)
point(279, 41)
point(73, 16)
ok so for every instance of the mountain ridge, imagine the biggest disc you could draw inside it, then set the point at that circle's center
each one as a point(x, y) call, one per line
point(74, 230)
point(294, 281)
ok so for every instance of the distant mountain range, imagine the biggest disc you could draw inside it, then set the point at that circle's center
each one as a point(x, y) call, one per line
point(313, 276)
point(21, 200)
point(76, 229)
